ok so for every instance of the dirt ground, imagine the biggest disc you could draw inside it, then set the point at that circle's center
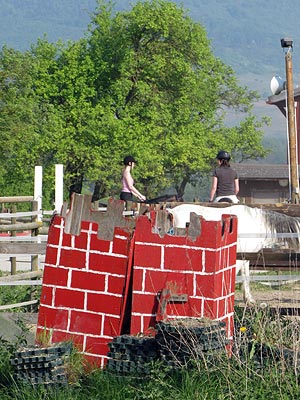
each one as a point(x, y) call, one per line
point(281, 297)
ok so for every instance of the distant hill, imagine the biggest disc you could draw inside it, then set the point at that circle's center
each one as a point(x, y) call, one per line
point(24, 21)
point(244, 34)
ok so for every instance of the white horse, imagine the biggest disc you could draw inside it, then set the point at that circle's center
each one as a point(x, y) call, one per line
point(257, 229)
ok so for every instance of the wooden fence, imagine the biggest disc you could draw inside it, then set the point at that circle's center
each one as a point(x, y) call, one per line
point(33, 278)
point(20, 239)
point(19, 232)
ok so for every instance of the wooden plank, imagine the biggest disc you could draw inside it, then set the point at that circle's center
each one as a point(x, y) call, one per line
point(22, 283)
point(275, 266)
point(23, 248)
point(16, 199)
point(273, 259)
point(25, 303)
point(31, 239)
point(269, 278)
point(5, 256)
point(80, 207)
point(20, 227)
point(270, 255)
point(34, 233)
point(13, 260)
point(107, 221)
point(20, 214)
point(22, 275)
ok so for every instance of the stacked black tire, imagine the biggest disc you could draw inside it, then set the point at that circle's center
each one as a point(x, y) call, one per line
point(42, 366)
point(132, 354)
point(177, 343)
point(183, 342)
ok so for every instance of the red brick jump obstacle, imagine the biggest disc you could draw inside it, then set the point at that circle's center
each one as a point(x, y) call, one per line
point(106, 275)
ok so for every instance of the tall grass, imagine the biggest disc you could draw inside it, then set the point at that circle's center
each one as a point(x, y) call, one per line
point(228, 382)
point(263, 365)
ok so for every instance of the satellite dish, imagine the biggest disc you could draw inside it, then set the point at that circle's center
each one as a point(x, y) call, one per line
point(277, 84)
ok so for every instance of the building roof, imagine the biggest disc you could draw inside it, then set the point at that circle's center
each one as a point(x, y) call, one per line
point(280, 99)
point(262, 171)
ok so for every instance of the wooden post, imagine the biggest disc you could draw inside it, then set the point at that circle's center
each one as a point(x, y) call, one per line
point(292, 129)
point(13, 260)
point(34, 232)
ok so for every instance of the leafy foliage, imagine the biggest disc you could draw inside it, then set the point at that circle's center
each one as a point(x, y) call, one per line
point(143, 82)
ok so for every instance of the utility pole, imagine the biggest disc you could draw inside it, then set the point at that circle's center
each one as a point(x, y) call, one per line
point(287, 45)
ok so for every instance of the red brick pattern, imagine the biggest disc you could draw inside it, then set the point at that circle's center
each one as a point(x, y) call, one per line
point(83, 282)
point(203, 269)
point(86, 281)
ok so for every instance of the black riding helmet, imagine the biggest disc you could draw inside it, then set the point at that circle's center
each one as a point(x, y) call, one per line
point(128, 160)
point(223, 155)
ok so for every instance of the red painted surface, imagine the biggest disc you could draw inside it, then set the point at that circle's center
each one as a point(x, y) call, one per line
point(82, 287)
point(199, 269)
point(88, 281)
point(24, 233)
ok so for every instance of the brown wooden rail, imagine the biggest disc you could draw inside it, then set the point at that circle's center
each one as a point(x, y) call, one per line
point(279, 259)
point(28, 226)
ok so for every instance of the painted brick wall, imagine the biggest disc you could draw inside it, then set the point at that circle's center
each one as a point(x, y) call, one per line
point(82, 292)
point(94, 288)
point(203, 269)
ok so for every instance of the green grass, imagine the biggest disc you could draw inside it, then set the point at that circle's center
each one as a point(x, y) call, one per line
point(257, 369)
point(229, 380)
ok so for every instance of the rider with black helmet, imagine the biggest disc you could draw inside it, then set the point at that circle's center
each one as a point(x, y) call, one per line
point(128, 188)
point(225, 184)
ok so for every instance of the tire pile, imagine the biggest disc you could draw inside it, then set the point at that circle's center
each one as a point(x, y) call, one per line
point(176, 344)
point(42, 366)
point(132, 354)
point(184, 341)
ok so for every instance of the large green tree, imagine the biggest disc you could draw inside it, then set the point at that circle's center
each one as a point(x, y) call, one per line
point(21, 122)
point(169, 93)
point(144, 82)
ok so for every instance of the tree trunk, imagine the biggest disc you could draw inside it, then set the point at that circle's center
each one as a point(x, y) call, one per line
point(99, 191)
point(181, 188)
point(76, 185)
